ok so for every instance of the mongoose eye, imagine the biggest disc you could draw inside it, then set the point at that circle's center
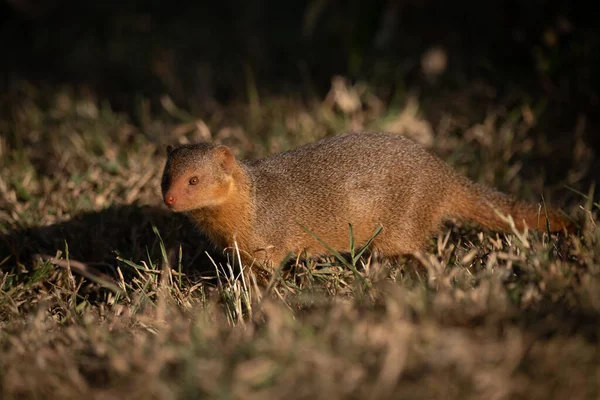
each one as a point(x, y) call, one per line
point(194, 180)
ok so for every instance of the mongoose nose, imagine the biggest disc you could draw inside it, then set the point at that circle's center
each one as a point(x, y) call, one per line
point(169, 200)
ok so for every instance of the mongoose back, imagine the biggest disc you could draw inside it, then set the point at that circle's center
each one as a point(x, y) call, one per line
point(363, 179)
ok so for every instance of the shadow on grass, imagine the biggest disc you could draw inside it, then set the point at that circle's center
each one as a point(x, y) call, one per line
point(98, 238)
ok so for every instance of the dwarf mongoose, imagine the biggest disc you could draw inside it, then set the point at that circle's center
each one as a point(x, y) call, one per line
point(363, 179)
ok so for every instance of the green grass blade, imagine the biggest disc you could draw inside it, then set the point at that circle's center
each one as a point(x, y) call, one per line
point(366, 245)
point(337, 255)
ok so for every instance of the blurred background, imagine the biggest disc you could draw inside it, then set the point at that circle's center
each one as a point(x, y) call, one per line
point(461, 58)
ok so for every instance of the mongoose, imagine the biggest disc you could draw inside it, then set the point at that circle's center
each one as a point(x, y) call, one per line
point(363, 179)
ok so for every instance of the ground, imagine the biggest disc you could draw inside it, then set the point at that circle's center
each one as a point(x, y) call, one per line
point(106, 293)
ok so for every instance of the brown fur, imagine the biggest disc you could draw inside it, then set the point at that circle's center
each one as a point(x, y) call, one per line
point(366, 179)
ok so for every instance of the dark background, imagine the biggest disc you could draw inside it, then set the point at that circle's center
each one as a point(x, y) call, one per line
point(205, 54)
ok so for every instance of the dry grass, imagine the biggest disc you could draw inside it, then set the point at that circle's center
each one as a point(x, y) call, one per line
point(104, 294)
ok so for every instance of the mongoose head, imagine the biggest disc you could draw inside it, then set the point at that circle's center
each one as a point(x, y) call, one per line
point(197, 176)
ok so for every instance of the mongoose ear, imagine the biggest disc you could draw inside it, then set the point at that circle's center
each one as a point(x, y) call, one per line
point(226, 157)
point(169, 149)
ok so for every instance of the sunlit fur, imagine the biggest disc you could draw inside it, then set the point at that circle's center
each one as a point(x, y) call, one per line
point(200, 161)
point(363, 179)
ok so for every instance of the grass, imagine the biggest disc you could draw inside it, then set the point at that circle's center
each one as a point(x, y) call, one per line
point(103, 293)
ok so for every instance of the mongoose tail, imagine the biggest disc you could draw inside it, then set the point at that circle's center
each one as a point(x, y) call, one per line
point(481, 205)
